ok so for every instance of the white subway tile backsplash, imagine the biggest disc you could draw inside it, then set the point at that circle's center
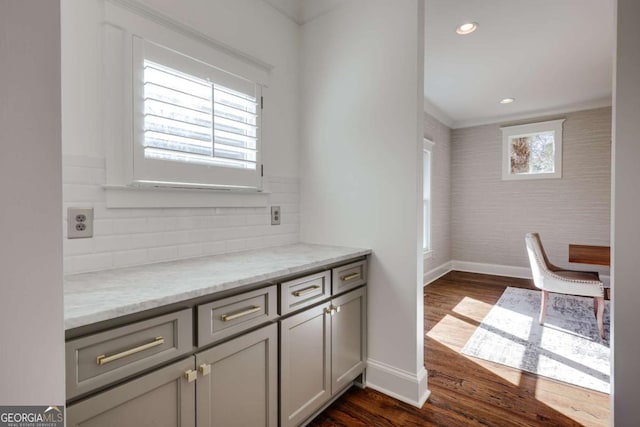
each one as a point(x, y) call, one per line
point(82, 193)
point(202, 236)
point(103, 227)
point(237, 245)
point(87, 262)
point(130, 226)
point(83, 175)
point(126, 237)
point(129, 258)
point(214, 248)
point(78, 246)
point(261, 219)
point(73, 160)
point(112, 243)
point(164, 253)
point(162, 224)
point(190, 250)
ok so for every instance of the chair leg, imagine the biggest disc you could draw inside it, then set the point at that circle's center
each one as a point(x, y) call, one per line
point(599, 301)
point(543, 306)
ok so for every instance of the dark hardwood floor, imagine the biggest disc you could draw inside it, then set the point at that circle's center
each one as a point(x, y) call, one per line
point(467, 391)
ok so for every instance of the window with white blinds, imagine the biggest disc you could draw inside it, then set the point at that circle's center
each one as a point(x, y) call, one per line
point(187, 119)
point(197, 125)
point(426, 195)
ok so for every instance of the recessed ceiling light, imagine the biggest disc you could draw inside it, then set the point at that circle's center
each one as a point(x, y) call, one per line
point(507, 100)
point(467, 28)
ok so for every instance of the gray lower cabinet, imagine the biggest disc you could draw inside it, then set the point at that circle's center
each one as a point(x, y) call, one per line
point(348, 338)
point(238, 381)
point(322, 350)
point(305, 364)
point(163, 398)
point(253, 374)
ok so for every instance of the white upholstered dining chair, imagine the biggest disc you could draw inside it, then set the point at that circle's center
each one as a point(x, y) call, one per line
point(549, 278)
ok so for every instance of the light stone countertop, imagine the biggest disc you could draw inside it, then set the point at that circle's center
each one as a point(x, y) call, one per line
point(104, 295)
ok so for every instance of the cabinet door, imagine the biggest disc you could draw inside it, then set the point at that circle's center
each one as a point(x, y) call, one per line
point(348, 338)
point(163, 398)
point(238, 382)
point(305, 374)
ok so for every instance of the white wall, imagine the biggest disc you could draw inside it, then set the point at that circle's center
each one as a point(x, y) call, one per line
point(126, 237)
point(626, 205)
point(361, 163)
point(31, 320)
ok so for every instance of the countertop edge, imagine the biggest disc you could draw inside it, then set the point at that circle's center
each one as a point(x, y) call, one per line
point(111, 313)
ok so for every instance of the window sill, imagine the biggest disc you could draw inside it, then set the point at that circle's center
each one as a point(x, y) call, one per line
point(136, 197)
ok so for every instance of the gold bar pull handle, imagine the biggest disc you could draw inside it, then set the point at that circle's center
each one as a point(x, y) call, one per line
point(305, 291)
point(229, 317)
point(191, 375)
point(349, 277)
point(103, 360)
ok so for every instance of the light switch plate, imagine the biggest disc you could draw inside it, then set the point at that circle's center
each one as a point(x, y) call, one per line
point(79, 223)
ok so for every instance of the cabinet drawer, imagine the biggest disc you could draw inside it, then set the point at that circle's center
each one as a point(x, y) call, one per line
point(304, 291)
point(229, 316)
point(162, 398)
point(349, 276)
point(100, 359)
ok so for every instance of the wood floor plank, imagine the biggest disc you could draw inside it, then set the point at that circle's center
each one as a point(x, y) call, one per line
point(466, 391)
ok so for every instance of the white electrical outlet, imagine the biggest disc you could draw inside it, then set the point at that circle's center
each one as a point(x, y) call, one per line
point(275, 215)
point(79, 223)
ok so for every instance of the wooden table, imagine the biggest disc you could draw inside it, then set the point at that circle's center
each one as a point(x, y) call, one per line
point(587, 254)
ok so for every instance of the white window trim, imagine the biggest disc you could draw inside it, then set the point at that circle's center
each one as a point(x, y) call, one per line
point(147, 172)
point(153, 197)
point(127, 19)
point(529, 129)
point(427, 146)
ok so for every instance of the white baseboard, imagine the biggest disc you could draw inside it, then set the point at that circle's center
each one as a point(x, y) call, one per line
point(503, 270)
point(398, 383)
point(494, 269)
point(436, 273)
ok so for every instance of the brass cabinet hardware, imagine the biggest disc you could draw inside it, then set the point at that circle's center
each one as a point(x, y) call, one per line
point(332, 310)
point(229, 317)
point(191, 375)
point(349, 277)
point(204, 369)
point(305, 291)
point(102, 359)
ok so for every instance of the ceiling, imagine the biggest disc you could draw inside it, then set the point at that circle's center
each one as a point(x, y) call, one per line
point(302, 11)
point(550, 55)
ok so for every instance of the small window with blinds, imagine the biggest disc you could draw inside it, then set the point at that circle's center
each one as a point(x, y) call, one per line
point(197, 125)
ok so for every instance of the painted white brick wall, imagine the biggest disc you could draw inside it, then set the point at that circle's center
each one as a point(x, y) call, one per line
point(127, 237)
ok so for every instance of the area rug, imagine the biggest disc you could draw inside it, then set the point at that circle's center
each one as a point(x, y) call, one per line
point(566, 348)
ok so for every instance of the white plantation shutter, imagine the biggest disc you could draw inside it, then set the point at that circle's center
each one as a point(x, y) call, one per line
point(426, 194)
point(199, 126)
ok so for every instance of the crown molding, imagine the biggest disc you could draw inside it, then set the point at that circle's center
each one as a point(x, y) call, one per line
point(438, 114)
point(587, 105)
